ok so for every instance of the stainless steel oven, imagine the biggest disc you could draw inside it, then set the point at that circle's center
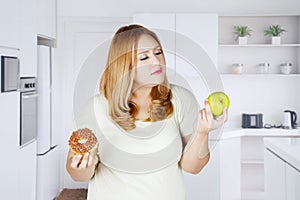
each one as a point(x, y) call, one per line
point(28, 115)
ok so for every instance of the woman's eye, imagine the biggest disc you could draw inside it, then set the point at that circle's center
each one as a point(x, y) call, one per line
point(144, 58)
point(158, 52)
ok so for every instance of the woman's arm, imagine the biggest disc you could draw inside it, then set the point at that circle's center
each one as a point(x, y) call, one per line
point(82, 167)
point(196, 152)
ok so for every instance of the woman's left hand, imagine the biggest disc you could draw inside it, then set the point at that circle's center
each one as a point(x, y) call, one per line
point(206, 122)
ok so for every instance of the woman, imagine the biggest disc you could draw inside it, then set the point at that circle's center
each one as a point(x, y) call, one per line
point(148, 130)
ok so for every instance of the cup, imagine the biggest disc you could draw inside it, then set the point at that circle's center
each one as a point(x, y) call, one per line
point(286, 68)
point(264, 68)
point(237, 68)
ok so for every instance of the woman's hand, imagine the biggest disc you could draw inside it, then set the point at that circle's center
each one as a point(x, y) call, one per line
point(82, 167)
point(206, 122)
point(84, 161)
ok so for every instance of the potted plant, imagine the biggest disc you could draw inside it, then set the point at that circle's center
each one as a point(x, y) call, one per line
point(241, 33)
point(275, 31)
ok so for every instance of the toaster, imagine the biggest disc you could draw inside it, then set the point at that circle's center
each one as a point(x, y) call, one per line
point(252, 120)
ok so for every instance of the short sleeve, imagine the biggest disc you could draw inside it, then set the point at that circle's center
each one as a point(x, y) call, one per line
point(186, 109)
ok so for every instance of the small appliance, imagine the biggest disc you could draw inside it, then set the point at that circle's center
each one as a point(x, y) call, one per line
point(10, 74)
point(289, 119)
point(252, 120)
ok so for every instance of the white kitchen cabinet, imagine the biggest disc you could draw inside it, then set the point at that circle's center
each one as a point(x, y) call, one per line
point(10, 24)
point(28, 38)
point(292, 183)
point(220, 178)
point(190, 48)
point(10, 133)
point(282, 180)
point(274, 177)
point(47, 18)
point(184, 31)
point(27, 171)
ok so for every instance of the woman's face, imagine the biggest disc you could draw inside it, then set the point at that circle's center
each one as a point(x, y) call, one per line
point(151, 65)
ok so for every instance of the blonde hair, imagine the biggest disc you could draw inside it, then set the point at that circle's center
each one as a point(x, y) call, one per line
point(118, 77)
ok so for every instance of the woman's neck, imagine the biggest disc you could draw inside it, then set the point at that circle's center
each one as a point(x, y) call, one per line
point(142, 95)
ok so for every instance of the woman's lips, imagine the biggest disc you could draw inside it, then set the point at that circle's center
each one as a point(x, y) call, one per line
point(159, 71)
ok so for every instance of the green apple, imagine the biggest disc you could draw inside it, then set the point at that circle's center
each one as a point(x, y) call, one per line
point(217, 101)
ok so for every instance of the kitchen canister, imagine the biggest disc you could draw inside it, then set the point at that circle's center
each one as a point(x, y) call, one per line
point(286, 68)
point(237, 68)
point(263, 68)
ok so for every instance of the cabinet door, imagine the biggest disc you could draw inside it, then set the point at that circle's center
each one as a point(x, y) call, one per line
point(10, 131)
point(200, 28)
point(9, 20)
point(274, 176)
point(28, 38)
point(164, 26)
point(292, 183)
point(27, 172)
point(47, 18)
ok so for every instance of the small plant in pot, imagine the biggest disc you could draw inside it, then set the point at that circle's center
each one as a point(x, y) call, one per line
point(275, 31)
point(241, 33)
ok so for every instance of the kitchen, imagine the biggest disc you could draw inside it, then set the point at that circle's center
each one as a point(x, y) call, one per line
point(71, 28)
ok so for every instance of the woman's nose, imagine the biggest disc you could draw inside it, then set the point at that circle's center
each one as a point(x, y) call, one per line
point(155, 60)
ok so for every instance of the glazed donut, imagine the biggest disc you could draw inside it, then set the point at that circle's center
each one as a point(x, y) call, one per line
point(82, 141)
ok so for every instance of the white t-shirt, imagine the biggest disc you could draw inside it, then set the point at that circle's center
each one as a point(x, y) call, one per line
point(142, 163)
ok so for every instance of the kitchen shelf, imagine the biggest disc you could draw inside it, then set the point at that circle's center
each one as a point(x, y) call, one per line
point(259, 45)
point(258, 75)
point(252, 162)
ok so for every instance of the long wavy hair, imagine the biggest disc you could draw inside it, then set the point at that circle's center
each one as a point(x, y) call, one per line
point(117, 80)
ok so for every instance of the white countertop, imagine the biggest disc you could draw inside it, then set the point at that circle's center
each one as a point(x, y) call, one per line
point(227, 133)
point(286, 148)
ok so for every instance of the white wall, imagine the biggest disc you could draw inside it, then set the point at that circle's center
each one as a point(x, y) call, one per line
point(120, 8)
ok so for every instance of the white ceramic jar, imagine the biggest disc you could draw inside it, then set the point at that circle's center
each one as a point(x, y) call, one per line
point(286, 68)
point(264, 68)
point(237, 68)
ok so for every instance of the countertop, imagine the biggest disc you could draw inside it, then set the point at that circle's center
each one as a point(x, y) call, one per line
point(227, 133)
point(286, 148)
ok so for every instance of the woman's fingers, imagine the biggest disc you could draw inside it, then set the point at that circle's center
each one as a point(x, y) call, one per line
point(76, 159)
point(84, 161)
point(225, 111)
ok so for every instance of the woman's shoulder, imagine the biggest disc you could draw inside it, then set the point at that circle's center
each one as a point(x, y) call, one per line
point(181, 92)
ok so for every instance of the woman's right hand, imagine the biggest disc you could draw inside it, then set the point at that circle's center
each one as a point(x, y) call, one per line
point(84, 161)
point(82, 167)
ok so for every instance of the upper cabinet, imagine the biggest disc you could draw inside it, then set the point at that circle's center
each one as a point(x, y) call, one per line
point(184, 37)
point(47, 18)
point(10, 24)
point(259, 55)
point(28, 38)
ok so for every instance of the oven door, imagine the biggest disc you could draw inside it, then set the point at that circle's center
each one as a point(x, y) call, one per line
point(28, 132)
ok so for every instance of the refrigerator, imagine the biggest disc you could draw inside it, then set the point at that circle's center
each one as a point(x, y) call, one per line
point(47, 185)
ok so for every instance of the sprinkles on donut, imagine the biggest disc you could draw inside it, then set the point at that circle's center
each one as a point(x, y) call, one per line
point(82, 141)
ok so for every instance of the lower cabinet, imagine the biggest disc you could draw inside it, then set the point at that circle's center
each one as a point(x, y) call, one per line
point(220, 178)
point(282, 181)
point(292, 183)
point(274, 177)
point(27, 172)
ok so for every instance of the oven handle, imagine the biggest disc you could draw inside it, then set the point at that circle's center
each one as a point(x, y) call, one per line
point(27, 96)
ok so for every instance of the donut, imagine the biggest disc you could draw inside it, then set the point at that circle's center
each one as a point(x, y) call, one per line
point(82, 141)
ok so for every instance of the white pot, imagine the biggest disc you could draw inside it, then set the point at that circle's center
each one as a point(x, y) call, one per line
point(242, 40)
point(237, 68)
point(264, 68)
point(286, 68)
point(275, 40)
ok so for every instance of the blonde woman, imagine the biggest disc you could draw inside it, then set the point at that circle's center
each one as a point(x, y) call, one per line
point(148, 129)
